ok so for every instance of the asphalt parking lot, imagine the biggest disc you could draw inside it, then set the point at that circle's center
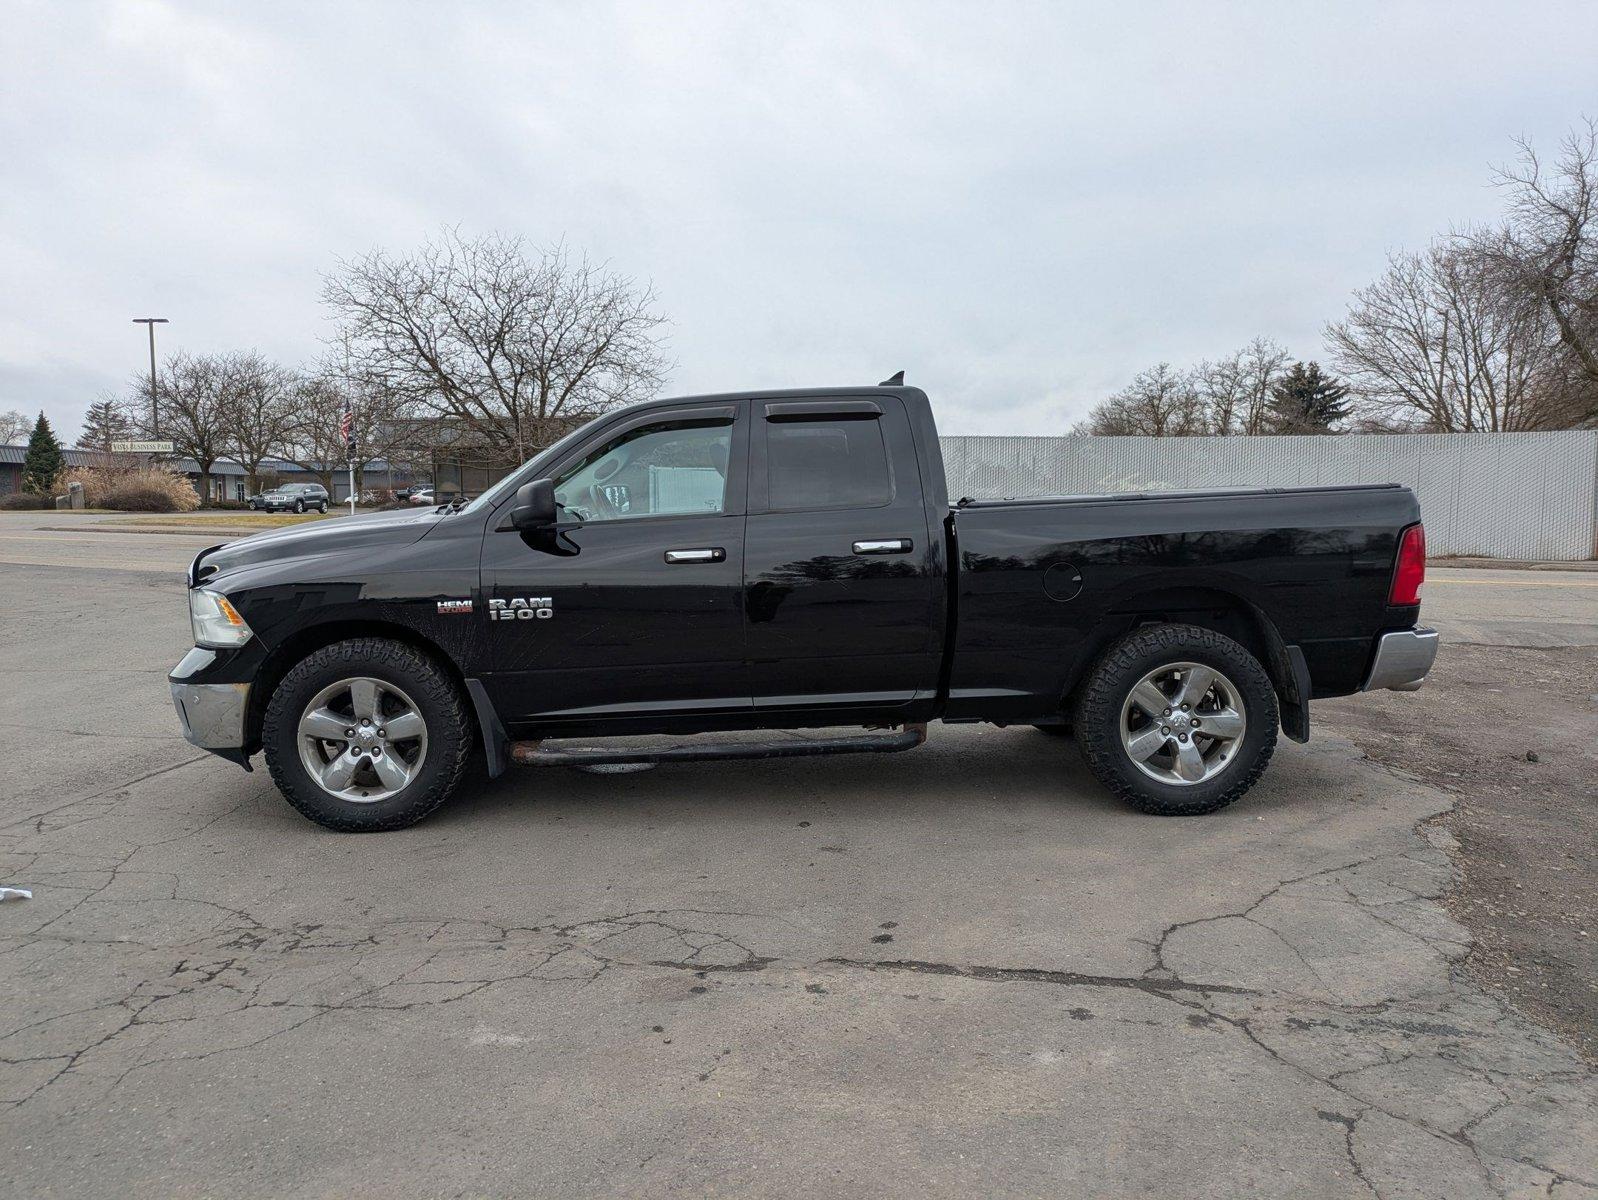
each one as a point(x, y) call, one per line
point(962, 971)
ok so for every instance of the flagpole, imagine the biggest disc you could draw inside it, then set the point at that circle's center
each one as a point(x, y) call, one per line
point(349, 445)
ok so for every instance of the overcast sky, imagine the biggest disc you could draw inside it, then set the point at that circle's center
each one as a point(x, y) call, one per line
point(1019, 205)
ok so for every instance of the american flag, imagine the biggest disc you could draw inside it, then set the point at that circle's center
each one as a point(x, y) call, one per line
point(346, 429)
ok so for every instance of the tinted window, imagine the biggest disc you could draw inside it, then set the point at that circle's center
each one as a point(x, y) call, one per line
point(669, 469)
point(827, 464)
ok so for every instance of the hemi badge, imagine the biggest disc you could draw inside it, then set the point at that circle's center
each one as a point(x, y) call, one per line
point(454, 606)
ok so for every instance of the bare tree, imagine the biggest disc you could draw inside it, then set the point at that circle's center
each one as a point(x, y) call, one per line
point(1238, 389)
point(316, 439)
point(1548, 248)
point(257, 410)
point(1159, 402)
point(477, 331)
point(1437, 344)
point(190, 392)
point(315, 443)
point(14, 428)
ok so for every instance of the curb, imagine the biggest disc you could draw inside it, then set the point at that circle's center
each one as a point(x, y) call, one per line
point(1511, 564)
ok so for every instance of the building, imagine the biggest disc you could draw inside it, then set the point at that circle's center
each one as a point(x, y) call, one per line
point(12, 458)
point(229, 480)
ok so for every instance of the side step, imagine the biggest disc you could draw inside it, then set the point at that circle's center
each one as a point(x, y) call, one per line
point(539, 754)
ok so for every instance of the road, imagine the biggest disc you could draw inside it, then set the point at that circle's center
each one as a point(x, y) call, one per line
point(963, 971)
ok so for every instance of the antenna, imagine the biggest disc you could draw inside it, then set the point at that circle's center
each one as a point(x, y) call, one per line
point(894, 380)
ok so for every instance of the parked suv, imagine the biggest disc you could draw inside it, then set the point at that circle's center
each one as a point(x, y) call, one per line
point(296, 497)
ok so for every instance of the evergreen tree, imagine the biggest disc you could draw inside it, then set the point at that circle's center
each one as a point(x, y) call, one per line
point(43, 462)
point(104, 423)
point(1308, 401)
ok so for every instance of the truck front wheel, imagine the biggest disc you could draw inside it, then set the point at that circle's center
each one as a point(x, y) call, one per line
point(1177, 720)
point(367, 734)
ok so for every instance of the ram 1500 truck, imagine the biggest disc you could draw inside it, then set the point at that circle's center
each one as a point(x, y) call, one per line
point(790, 560)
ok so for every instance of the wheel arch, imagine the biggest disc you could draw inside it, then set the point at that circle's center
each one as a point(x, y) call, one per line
point(1211, 607)
point(311, 638)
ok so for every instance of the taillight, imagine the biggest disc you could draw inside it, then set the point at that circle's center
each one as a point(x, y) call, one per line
point(1410, 572)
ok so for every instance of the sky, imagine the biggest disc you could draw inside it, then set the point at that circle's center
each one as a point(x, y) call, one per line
point(1019, 205)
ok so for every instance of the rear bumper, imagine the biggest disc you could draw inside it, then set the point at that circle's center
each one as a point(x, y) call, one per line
point(1402, 660)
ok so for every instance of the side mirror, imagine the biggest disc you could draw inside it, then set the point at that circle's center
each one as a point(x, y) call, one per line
point(535, 505)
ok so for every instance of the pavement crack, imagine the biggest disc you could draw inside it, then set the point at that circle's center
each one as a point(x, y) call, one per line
point(1137, 983)
point(1350, 1124)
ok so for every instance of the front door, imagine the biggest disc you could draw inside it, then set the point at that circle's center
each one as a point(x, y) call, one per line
point(840, 577)
point(631, 606)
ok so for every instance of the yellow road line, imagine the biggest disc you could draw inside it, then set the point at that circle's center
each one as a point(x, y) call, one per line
point(70, 538)
point(173, 566)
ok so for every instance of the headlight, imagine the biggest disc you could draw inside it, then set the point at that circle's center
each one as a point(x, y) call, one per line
point(217, 624)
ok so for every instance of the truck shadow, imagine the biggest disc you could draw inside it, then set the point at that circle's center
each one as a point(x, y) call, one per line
point(978, 766)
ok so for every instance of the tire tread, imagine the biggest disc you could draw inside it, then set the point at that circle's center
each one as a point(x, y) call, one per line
point(422, 674)
point(1105, 691)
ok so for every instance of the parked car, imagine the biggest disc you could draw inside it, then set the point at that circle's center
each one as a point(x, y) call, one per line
point(783, 560)
point(291, 497)
point(421, 496)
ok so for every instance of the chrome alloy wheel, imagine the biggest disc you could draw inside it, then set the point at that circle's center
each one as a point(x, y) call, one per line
point(1183, 723)
point(362, 740)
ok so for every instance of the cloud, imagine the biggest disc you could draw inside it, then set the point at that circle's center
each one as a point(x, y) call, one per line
point(1020, 205)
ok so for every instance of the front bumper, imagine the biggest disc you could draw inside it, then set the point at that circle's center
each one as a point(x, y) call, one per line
point(212, 713)
point(1402, 660)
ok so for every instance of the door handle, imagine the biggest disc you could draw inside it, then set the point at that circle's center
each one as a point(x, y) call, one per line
point(709, 554)
point(884, 546)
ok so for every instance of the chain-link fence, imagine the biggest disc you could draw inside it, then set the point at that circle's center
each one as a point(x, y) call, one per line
point(1497, 495)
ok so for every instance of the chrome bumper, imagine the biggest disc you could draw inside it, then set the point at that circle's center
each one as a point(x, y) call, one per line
point(1402, 660)
point(212, 713)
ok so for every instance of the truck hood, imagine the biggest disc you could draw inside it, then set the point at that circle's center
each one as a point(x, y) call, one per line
point(315, 538)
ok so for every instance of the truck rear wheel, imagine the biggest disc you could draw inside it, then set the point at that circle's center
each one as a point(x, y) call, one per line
point(367, 735)
point(1177, 720)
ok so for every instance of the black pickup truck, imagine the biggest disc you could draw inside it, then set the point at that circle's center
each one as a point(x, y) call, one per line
point(790, 560)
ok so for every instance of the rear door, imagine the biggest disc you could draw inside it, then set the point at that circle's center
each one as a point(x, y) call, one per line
point(840, 575)
point(631, 607)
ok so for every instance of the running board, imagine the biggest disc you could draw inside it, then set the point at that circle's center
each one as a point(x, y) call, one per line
point(539, 754)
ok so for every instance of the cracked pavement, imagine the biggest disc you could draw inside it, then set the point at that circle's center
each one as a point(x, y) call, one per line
point(959, 971)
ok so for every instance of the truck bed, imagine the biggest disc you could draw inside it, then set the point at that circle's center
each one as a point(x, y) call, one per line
point(1205, 494)
point(1042, 582)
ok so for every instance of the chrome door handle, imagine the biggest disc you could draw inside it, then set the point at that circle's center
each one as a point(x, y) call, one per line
point(707, 555)
point(884, 546)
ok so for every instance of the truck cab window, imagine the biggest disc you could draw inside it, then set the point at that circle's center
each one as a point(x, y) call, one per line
point(671, 469)
point(830, 463)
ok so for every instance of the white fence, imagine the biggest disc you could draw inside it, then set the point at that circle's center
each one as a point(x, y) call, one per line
point(1497, 495)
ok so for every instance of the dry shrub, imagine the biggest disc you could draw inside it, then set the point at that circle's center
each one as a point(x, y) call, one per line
point(95, 480)
point(15, 501)
point(151, 489)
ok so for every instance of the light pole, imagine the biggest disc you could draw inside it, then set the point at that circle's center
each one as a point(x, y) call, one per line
point(155, 409)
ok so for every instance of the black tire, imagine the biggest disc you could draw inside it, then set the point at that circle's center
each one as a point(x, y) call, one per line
point(1112, 678)
point(299, 506)
point(322, 508)
point(450, 740)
